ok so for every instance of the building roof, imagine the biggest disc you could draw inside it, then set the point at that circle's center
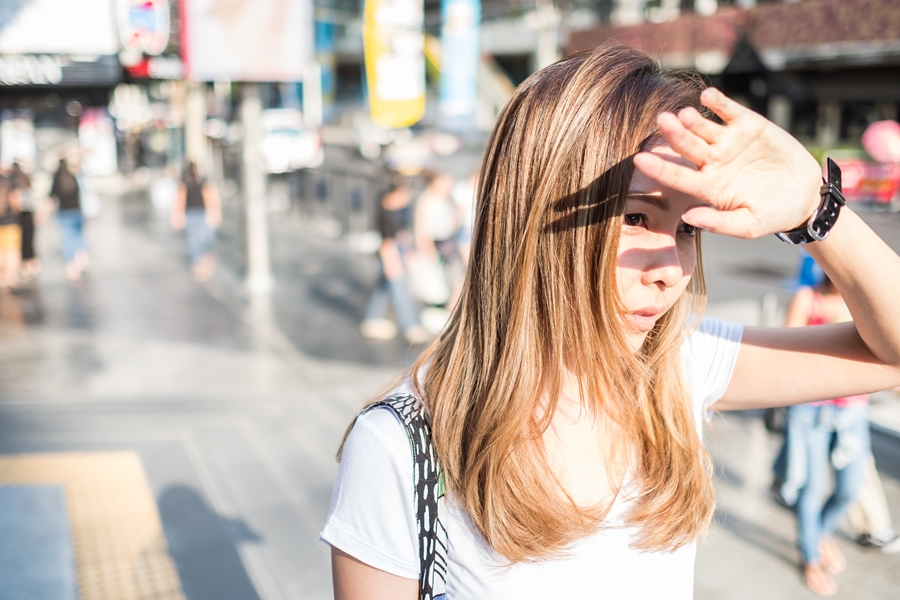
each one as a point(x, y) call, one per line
point(825, 32)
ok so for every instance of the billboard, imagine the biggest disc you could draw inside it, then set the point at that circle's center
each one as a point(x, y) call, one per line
point(246, 40)
point(85, 27)
point(395, 61)
point(459, 62)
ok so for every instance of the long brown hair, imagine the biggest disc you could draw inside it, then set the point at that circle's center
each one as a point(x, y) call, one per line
point(541, 300)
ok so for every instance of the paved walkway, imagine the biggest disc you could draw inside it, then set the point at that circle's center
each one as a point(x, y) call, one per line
point(235, 408)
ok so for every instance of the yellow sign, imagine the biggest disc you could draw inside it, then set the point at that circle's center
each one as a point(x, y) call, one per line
point(395, 61)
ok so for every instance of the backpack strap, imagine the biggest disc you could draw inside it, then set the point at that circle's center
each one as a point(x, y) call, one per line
point(429, 494)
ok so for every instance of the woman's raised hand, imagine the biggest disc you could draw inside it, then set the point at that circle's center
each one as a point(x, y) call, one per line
point(756, 178)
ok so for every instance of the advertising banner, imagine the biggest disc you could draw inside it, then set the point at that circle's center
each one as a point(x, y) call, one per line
point(85, 27)
point(246, 40)
point(395, 61)
point(459, 62)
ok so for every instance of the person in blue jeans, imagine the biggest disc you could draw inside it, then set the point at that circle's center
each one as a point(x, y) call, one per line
point(821, 437)
point(66, 192)
point(392, 286)
point(198, 210)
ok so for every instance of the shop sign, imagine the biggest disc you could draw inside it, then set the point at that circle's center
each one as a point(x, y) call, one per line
point(144, 25)
point(59, 69)
point(30, 70)
point(157, 67)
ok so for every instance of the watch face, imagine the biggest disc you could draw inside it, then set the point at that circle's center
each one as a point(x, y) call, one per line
point(834, 174)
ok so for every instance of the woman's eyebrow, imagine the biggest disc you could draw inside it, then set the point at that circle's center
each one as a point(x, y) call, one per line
point(650, 198)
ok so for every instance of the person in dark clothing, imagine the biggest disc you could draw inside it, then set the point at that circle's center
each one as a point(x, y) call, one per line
point(393, 224)
point(66, 192)
point(10, 234)
point(27, 216)
point(198, 210)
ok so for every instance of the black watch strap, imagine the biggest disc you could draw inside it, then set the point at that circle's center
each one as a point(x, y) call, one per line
point(824, 217)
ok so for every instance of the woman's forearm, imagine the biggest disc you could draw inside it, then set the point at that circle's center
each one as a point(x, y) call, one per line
point(867, 274)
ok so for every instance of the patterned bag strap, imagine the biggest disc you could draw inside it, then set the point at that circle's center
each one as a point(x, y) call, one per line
point(429, 486)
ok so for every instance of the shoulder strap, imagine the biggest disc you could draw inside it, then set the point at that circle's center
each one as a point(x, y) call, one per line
point(429, 494)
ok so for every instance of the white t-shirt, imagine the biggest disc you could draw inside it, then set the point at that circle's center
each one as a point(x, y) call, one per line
point(372, 515)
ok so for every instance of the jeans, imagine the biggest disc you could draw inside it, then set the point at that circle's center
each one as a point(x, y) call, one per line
point(832, 437)
point(397, 292)
point(200, 236)
point(71, 221)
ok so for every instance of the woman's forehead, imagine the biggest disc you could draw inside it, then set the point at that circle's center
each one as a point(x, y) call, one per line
point(641, 184)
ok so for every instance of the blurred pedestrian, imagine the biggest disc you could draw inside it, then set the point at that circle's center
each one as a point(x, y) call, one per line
point(869, 516)
point(463, 194)
point(394, 226)
point(198, 210)
point(66, 191)
point(10, 232)
point(436, 223)
point(435, 265)
point(30, 265)
point(822, 437)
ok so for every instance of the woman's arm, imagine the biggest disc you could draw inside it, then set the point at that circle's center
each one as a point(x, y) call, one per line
point(758, 180)
point(177, 216)
point(355, 580)
point(213, 205)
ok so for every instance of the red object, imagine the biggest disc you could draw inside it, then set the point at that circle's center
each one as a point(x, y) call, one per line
point(865, 181)
point(882, 140)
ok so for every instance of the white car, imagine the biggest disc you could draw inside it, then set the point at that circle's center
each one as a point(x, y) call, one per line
point(286, 144)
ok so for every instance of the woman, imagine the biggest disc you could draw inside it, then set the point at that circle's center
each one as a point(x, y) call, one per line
point(66, 192)
point(565, 396)
point(198, 209)
point(392, 284)
point(30, 266)
point(821, 435)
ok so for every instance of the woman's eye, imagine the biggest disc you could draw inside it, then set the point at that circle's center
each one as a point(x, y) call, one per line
point(689, 229)
point(636, 220)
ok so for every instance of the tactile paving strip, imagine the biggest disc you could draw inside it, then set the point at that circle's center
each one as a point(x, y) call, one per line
point(120, 548)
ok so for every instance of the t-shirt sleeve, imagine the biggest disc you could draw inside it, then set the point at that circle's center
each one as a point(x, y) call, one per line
point(712, 354)
point(372, 516)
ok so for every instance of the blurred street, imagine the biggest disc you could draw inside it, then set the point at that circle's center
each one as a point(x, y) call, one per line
point(235, 407)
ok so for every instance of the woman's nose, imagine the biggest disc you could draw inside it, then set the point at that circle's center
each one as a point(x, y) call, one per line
point(663, 266)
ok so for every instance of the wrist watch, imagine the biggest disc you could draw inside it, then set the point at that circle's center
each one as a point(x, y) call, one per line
point(824, 217)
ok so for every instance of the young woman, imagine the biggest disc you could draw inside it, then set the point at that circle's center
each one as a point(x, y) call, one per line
point(198, 210)
point(67, 193)
point(565, 396)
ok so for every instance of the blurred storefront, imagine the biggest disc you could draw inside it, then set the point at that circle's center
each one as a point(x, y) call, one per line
point(823, 69)
point(58, 64)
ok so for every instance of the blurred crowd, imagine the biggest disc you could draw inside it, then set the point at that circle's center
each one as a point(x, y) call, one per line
point(422, 257)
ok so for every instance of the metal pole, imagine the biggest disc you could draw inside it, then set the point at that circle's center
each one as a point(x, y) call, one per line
point(194, 117)
point(259, 275)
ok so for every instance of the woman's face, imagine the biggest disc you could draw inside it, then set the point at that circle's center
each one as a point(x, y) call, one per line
point(657, 251)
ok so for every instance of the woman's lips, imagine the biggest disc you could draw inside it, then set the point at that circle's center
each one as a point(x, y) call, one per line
point(644, 319)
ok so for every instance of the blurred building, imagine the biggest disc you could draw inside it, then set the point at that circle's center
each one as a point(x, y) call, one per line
point(823, 69)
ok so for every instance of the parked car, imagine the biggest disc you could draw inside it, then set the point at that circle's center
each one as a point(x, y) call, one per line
point(288, 145)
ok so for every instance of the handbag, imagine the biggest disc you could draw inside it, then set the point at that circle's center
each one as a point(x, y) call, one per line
point(429, 493)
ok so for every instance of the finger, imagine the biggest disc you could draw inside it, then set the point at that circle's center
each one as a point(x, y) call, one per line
point(699, 125)
point(725, 222)
point(727, 109)
point(682, 141)
point(670, 174)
